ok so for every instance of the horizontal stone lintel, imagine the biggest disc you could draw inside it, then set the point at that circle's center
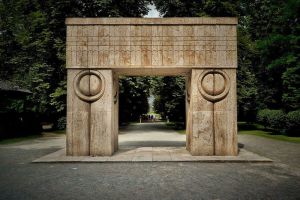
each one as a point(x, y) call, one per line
point(153, 21)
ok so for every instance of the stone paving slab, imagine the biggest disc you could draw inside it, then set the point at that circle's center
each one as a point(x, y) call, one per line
point(152, 154)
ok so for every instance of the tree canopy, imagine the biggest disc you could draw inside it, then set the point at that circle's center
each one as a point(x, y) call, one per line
point(32, 53)
point(268, 49)
point(32, 46)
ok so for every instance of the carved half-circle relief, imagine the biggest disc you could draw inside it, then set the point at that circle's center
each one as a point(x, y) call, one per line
point(213, 85)
point(89, 85)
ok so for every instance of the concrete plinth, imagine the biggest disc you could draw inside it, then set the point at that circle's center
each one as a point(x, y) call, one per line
point(152, 154)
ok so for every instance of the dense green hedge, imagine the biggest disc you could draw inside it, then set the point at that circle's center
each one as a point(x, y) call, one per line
point(278, 120)
point(293, 123)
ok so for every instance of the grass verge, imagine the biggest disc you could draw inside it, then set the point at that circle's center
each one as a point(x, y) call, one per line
point(19, 139)
point(258, 130)
point(270, 135)
point(30, 137)
point(59, 132)
point(181, 131)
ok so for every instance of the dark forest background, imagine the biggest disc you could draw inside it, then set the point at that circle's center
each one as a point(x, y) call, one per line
point(32, 56)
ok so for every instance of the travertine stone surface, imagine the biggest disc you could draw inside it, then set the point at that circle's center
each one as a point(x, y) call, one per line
point(92, 124)
point(187, 110)
point(78, 142)
point(153, 21)
point(225, 120)
point(99, 50)
point(200, 120)
point(151, 43)
point(102, 124)
point(212, 122)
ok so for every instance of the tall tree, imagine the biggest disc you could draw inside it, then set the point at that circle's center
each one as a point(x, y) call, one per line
point(247, 91)
point(169, 97)
point(274, 27)
point(197, 8)
point(133, 98)
point(32, 44)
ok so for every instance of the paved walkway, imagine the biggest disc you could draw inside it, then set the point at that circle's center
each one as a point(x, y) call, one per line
point(150, 135)
point(21, 179)
point(151, 142)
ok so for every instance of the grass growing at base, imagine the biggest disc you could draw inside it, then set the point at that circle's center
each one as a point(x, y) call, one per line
point(176, 125)
point(30, 137)
point(19, 139)
point(181, 131)
point(59, 132)
point(271, 135)
point(258, 130)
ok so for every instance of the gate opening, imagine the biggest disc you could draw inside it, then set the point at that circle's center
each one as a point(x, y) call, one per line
point(152, 111)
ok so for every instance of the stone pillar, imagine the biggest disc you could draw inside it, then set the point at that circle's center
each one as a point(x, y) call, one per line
point(212, 127)
point(102, 118)
point(225, 116)
point(200, 120)
point(91, 113)
point(78, 141)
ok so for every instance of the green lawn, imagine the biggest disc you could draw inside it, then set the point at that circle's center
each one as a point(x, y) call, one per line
point(271, 135)
point(59, 132)
point(181, 131)
point(258, 130)
point(29, 137)
point(19, 139)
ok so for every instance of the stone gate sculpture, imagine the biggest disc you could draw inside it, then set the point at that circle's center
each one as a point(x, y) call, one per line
point(204, 50)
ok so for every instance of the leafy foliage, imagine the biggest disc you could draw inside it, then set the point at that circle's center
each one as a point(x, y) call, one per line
point(268, 49)
point(170, 97)
point(32, 54)
point(133, 98)
point(247, 90)
point(293, 123)
point(274, 27)
point(247, 82)
point(274, 119)
point(32, 46)
point(196, 8)
point(279, 121)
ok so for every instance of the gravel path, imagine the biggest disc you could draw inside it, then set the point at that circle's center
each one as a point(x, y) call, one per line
point(20, 179)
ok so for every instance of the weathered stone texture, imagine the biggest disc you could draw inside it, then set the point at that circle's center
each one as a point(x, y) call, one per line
point(182, 45)
point(202, 49)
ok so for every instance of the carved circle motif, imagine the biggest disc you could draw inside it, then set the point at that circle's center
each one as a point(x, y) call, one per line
point(89, 85)
point(209, 89)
